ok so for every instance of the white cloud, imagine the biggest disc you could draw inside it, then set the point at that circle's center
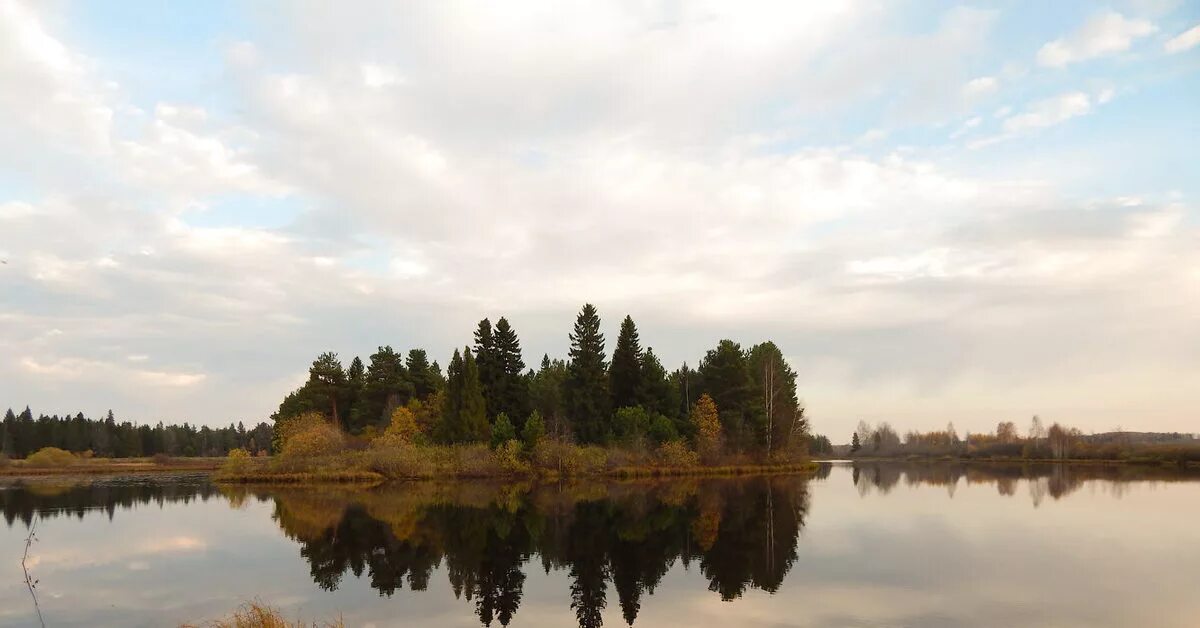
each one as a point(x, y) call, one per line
point(980, 86)
point(1183, 41)
point(624, 156)
point(1103, 34)
point(1050, 112)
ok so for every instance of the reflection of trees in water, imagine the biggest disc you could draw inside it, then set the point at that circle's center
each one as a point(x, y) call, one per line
point(743, 533)
point(1044, 479)
point(21, 500)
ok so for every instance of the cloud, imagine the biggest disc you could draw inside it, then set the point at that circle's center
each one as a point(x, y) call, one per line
point(1184, 41)
point(1050, 112)
point(429, 171)
point(980, 86)
point(1103, 34)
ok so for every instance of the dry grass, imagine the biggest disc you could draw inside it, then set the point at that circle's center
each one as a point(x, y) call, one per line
point(111, 466)
point(258, 615)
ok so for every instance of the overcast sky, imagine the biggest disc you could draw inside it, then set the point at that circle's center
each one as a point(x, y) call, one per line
point(939, 212)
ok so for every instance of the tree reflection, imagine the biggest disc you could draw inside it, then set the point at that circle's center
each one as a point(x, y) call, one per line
point(1043, 479)
point(743, 533)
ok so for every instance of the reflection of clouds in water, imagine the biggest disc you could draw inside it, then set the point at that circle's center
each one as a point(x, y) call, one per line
point(74, 558)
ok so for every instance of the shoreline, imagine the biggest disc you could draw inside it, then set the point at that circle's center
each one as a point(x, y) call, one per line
point(1074, 461)
point(618, 473)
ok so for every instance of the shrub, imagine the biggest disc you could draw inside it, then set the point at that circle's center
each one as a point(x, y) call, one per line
point(475, 460)
point(676, 453)
point(403, 425)
point(568, 459)
point(162, 458)
point(502, 430)
point(321, 439)
point(256, 615)
point(662, 429)
point(237, 461)
point(508, 457)
point(50, 457)
point(631, 423)
point(285, 429)
point(395, 458)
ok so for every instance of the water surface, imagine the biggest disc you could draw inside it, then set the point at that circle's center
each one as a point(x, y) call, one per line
point(858, 545)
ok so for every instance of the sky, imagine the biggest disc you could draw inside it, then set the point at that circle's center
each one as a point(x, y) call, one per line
point(939, 212)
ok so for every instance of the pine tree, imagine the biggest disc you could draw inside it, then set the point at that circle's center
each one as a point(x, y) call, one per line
point(425, 382)
point(328, 388)
point(512, 388)
point(775, 387)
point(502, 431)
point(464, 413)
point(624, 375)
point(386, 386)
point(485, 357)
point(546, 395)
point(655, 392)
point(855, 444)
point(585, 392)
point(727, 380)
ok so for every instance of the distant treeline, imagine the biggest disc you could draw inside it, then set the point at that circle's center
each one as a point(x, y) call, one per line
point(22, 434)
point(1057, 442)
point(587, 398)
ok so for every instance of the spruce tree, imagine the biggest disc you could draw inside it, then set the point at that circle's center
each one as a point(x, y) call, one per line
point(386, 386)
point(512, 387)
point(425, 382)
point(585, 392)
point(655, 392)
point(464, 415)
point(485, 358)
point(624, 375)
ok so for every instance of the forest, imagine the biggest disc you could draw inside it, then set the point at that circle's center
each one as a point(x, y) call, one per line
point(1055, 442)
point(738, 403)
point(21, 434)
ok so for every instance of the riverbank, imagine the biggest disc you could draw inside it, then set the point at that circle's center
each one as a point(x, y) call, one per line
point(112, 466)
point(1008, 460)
point(474, 462)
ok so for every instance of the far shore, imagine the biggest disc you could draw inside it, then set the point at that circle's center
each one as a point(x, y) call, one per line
point(113, 466)
point(976, 460)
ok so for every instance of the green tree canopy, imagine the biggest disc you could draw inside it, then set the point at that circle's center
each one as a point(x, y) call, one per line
point(586, 388)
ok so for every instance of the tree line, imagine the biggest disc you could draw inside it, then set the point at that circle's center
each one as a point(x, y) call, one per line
point(21, 434)
point(587, 398)
point(1056, 442)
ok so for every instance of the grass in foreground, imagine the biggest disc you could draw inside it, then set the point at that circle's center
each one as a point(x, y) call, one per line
point(257, 615)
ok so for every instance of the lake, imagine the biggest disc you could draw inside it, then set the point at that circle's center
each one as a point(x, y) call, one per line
point(886, 544)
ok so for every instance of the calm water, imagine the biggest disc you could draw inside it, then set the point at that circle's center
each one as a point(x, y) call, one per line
point(867, 545)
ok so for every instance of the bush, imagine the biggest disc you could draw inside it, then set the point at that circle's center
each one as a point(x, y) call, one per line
point(676, 453)
point(163, 458)
point(321, 439)
point(508, 457)
point(568, 459)
point(475, 460)
point(396, 458)
point(662, 429)
point(287, 428)
point(403, 425)
point(50, 457)
point(237, 461)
